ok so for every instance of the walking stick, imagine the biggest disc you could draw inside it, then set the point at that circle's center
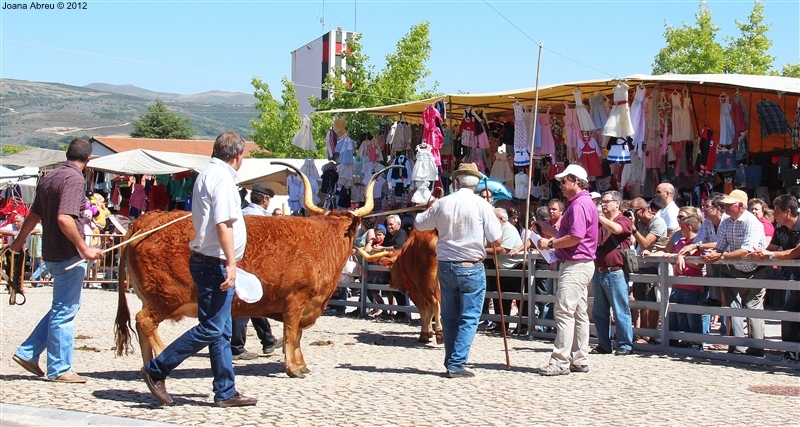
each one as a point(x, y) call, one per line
point(138, 236)
point(502, 315)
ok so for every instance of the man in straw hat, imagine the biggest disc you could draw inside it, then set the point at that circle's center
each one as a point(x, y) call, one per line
point(463, 220)
point(740, 234)
point(575, 247)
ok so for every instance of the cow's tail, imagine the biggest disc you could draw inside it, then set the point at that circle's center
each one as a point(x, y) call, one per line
point(123, 329)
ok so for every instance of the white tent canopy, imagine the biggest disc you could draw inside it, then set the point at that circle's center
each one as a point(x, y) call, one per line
point(26, 178)
point(148, 162)
point(35, 157)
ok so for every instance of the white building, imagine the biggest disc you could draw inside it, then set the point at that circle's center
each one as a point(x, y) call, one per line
point(312, 62)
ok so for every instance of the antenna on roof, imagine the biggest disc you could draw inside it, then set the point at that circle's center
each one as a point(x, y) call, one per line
point(321, 19)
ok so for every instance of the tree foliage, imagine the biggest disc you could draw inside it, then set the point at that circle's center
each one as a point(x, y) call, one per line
point(11, 149)
point(694, 49)
point(278, 122)
point(162, 123)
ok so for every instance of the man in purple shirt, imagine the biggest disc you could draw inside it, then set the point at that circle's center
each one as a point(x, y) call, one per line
point(575, 247)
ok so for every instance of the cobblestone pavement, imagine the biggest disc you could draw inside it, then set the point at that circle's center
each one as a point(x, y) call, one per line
point(375, 373)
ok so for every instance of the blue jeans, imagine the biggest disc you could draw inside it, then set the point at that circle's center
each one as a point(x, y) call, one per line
point(686, 322)
point(55, 331)
point(463, 290)
point(611, 292)
point(212, 331)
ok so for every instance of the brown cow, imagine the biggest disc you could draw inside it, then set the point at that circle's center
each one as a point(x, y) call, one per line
point(298, 261)
point(413, 269)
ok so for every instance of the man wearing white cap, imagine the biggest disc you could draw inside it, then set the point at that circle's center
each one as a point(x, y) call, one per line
point(738, 236)
point(575, 246)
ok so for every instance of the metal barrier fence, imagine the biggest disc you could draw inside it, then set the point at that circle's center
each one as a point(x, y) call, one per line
point(99, 273)
point(663, 306)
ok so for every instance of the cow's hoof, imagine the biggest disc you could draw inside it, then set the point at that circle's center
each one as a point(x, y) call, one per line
point(439, 338)
point(305, 369)
point(295, 374)
point(424, 340)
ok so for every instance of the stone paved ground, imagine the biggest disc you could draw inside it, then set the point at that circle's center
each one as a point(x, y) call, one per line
point(376, 373)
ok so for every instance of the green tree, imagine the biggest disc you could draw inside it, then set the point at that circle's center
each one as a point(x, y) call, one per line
point(747, 54)
point(11, 149)
point(691, 49)
point(278, 122)
point(162, 123)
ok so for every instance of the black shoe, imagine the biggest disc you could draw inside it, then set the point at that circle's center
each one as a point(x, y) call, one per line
point(584, 369)
point(157, 388)
point(623, 352)
point(791, 356)
point(460, 374)
point(246, 355)
point(710, 302)
point(601, 350)
point(271, 348)
point(237, 400)
point(757, 352)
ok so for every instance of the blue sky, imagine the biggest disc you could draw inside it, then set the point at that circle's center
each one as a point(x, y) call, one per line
point(196, 46)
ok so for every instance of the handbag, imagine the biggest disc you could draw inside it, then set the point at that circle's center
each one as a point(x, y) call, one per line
point(351, 267)
point(630, 260)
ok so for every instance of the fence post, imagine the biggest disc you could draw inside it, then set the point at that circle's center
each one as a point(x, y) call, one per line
point(664, 290)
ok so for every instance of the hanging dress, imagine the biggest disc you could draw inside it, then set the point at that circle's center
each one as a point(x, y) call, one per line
point(619, 121)
point(726, 130)
point(597, 110)
point(468, 136)
point(424, 167)
point(572, 131)
point(739, 115)
point(548, 144)
point(589, 153)
point(521, 183)
point(619, 152)
point(686, 132)
point(677, 116)
point(501, 171)
point(585, 120)
point(529, 117)
point(638, 118)
point(522, 156)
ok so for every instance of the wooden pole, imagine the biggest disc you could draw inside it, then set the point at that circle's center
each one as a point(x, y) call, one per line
point(502, 315)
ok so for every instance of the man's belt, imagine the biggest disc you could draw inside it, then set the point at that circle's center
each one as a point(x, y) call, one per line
point(205, 259)
point(608, 269)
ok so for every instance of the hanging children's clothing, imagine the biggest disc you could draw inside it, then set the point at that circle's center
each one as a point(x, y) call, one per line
point(548, 144)
point(501, 170)
point(424, 167)
point(597, 110)
point(585, 120)
point(618, 150)
point(522, 154)
point(638, 118)
point(677, 116)
point(589, 153)
point(432, 132)
point(685, 132)
point(467, 130)
point(303, 139)
point(726, 129)
point(619, 121)
point(572, 131)
point(521, 183)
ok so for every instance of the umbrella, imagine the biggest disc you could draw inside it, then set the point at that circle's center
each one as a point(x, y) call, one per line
point(497, 188)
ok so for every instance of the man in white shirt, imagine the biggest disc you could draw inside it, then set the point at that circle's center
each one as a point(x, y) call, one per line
point(463, 220)
point(220, 239)
point(665, 193)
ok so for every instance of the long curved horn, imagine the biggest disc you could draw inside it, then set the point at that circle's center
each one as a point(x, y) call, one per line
point(307, 199)
point(370, 202)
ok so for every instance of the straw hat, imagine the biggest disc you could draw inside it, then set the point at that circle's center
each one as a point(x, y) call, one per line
point(736, 196)
point(467, 169)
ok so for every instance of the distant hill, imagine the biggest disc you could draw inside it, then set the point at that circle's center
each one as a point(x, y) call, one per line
point(50, 114)
point(215, 96)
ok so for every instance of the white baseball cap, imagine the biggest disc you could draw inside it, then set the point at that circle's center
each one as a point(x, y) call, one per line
point(595, 195)
point(573, 170)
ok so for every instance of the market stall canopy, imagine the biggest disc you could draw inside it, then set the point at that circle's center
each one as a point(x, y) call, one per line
point(262, 170)
point(36, 157)
point(26, 178)
point(148, 162)
point(704, 90)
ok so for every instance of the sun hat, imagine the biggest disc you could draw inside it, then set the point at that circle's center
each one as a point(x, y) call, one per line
point(573, 170)
point(735, 196)
point(595, 195)
point(467, 169)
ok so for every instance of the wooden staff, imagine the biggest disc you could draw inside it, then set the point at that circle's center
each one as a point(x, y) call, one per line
point(502, 315)
point(138, 236)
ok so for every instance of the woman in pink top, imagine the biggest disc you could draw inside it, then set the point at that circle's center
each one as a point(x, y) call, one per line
point(764, 214)
point(689, 220)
